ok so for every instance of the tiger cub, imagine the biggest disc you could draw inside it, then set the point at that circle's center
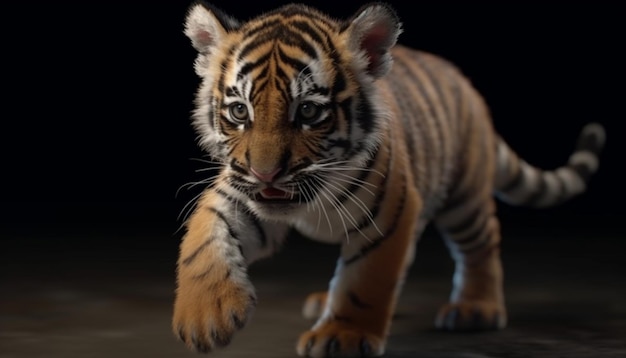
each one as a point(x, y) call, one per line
point(329, 128)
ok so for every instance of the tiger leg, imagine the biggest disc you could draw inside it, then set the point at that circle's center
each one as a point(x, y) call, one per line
point(214, 297)
point(362, 294)
point(477, 298)
point(315, 302)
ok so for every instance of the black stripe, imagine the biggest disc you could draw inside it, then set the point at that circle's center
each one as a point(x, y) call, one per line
point(221, 81)
point(304, 73)
point(282, 89)
point(589, 142)
point(582, 170)
point(258, 86)
point(237, 181)
point(539, 192)
point(472, 235)
point(305, 28)
point(516, 181)
point(340, 80)
point(380, 195)
point(485, 234)
point(345, 107)
point(305, 162)
point(259, 229)
point(311, 146)
point(470, 218)
point(212, 115)
point(258, 40)
point(251, 66)
point(292, 10)
point(233, 91)
point(344, 144)
point(357, 302)
point(253, 219)
point(336, 317)
point(189, 259)
point(204, 274)
point(314, 31)
point(295, 39)
point(404, 102)
point(238, 168)
point(374, 210)
point(294, 63)
point(390, 231)
point(366, 119)
point(421, 126)
point(364, 174)
point(435, 118)
point(263, 26)
point(422, 90)
point(436, 85)
point(222, 217)
point(457, 198)
point(225, 195)
point(562, 194)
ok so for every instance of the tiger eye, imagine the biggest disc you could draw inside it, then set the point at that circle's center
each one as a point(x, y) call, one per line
point(308, 112)
point(239, 112)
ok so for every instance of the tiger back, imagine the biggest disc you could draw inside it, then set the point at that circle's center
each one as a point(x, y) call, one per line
point(327, 126)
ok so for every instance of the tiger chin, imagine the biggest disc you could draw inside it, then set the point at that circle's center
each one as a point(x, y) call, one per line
point(328, 127)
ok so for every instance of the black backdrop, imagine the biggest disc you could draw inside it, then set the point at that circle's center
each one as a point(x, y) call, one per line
point(95, 129)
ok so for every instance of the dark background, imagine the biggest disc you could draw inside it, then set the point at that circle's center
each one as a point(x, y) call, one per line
point(95, 132)
point(95, 140)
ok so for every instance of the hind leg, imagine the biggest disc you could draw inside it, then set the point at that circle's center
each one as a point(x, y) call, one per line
point(472, 232)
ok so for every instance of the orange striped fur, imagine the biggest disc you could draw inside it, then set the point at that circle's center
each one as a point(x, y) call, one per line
point(328, 127)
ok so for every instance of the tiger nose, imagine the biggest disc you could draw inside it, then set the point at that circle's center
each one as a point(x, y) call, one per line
point(266, 177)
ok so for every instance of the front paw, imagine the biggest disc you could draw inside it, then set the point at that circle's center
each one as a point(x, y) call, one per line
point(314, 305)
point(471, 316)
point(335, 339)
point(206, 316)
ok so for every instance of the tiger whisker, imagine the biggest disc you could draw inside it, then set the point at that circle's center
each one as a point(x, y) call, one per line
point(341, 167)
point(340, 208)
point(206, 161)
point(313, 186)
point(204, 169)
point(190, 185)
point(191, 204)
point(355, 180)
point(355, 183)
point(315, 203)
point(349, 216)
point(359, 203)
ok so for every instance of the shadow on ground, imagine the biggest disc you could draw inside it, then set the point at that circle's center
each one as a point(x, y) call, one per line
point(95, 296)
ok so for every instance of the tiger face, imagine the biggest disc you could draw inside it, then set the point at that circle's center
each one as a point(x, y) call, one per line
point(284, 103)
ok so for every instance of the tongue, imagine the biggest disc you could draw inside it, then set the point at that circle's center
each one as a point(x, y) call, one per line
point(273, 193)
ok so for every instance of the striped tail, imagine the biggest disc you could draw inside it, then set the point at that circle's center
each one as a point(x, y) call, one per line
point(519, 183)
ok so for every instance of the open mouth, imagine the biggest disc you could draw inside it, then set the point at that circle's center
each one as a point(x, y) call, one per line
point(271, 194)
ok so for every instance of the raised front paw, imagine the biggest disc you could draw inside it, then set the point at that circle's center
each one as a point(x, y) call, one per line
point(471, 316)
point(336, 339)
point(207, 315)
point(314, 305)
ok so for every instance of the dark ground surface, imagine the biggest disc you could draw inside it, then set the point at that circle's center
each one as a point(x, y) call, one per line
point(88, 294)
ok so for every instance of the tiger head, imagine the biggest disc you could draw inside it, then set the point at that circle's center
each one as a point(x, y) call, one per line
point(287, 99)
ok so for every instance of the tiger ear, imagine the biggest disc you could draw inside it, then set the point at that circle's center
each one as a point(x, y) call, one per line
point(206, 25)
point(372, 31)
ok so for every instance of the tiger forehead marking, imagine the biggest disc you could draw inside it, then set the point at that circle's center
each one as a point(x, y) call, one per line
point(281, 61)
